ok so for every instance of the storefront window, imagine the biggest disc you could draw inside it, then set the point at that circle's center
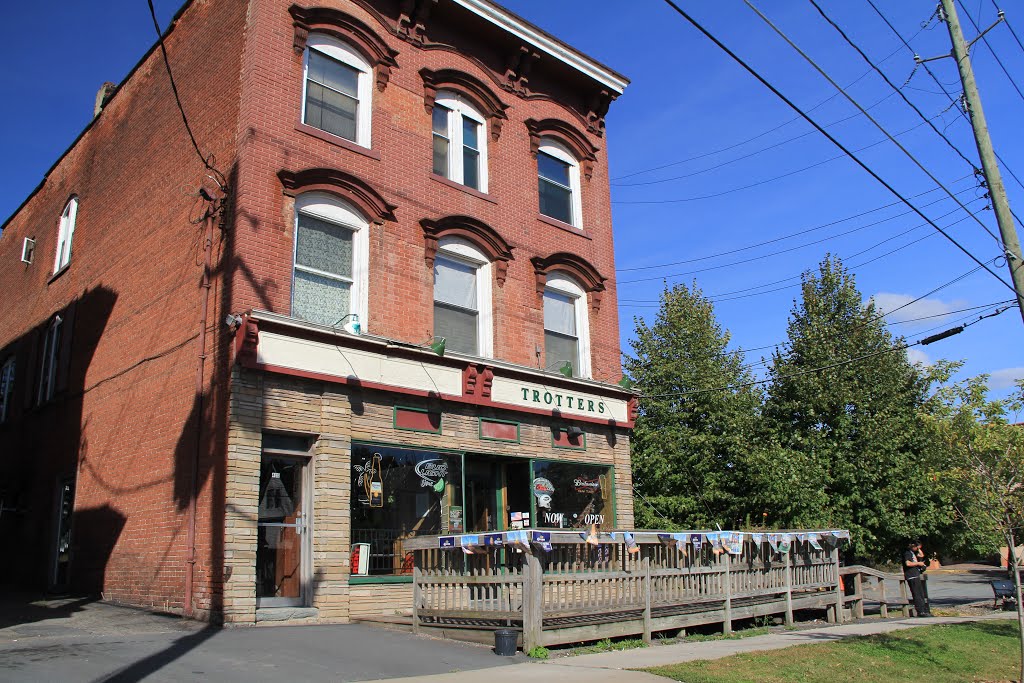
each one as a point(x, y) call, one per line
point(398, 493)
point(572, 495)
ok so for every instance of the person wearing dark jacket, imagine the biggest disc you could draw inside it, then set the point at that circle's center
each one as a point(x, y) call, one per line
point(914, 567)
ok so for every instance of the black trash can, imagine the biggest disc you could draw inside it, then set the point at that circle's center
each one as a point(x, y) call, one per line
point(505, 642)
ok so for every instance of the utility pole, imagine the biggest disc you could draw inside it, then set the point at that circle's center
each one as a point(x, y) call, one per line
point(1007, 231)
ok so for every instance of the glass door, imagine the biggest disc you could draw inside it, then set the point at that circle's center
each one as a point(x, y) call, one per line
point(281, 528)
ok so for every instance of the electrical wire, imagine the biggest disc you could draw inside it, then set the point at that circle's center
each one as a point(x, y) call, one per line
point(750, 154)
point(177, 97)
point(1007, 22)
point(868, 116)
point(764, 181)
point(787, 250)
point(820, 368)
point(942, 87)
point(793, 234)
point(898, 91)
point(992, 50)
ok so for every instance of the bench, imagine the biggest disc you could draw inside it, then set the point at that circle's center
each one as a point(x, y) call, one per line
point(1004, 590)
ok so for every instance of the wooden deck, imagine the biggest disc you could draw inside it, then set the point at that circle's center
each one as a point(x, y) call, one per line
point(577, 592)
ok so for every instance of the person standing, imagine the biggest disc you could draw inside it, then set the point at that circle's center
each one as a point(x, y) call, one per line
point(913, 570)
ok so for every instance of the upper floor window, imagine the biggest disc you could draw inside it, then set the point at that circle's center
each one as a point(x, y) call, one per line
point(331, 244)
point(462, 298)
point(65, 233)
point(566, 325)
point(337, 89)
point(51, 354)
point(559, 183)
point(6, 387)
point(460, 145)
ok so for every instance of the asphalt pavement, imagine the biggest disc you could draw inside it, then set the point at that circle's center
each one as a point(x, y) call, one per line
point(82, 640)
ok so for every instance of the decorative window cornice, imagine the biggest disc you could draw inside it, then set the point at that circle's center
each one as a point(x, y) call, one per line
point(336, 23)
point(345, 185)
point(475, 231)
point(566, 134)
point(585, 274)
point(478, 94)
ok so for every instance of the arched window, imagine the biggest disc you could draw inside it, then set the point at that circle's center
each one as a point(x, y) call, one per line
point(337, 89)
point(331, 260)
point(462, 298)
point(566, 324)
point(65, 233)
point(559, 183)
point(460, 141)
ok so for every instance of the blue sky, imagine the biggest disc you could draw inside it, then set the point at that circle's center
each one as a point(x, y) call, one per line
point(688, 99)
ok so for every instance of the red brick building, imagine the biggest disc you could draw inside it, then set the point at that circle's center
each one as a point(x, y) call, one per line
point(387, 308)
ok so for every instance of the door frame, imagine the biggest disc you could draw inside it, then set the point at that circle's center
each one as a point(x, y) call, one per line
point(51, 583)
point(306, 458)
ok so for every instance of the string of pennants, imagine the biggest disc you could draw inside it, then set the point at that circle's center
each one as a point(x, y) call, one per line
point(731, 542)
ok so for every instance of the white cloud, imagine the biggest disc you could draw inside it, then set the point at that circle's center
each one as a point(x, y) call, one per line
point(915, 356)
point(1005, 378)
point(925, 308)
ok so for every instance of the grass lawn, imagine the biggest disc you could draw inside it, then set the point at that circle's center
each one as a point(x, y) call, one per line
point(982, 651)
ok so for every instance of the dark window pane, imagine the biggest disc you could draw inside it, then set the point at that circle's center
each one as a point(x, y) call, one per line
point(286, 442)
point(440, 120)
point(471, 168)
point(553, 169)
point(571, 495)
point(470, 129)
point(555, 201)
point(441, 156)
point(458, 327)
point(331, 111)
point(559, 348)
point(333, 74)
point(398, 493)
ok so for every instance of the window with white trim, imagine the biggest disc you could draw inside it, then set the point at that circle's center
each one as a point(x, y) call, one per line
point(566, 325)
point(462, 298)
point(6, 387)
point(331, 260)
point(460, 146)
point(559, 183)
point(65, 233)
point(51, 354)
point(337, 89)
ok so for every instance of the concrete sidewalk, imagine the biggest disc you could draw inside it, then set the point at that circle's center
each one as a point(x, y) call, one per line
point(614, 666)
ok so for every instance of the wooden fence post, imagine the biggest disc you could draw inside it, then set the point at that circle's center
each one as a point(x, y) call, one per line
point(727, 624)
point(883, 609)
point(533, 600)
point(417, 591)
point(858, 589)
point(647, 600)
point(789, 590)
point(839, 586)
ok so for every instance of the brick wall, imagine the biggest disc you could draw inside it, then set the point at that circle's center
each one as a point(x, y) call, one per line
point(123, 416)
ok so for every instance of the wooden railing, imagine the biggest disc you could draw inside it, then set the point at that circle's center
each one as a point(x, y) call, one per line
point(864, 583)
point(577, 592)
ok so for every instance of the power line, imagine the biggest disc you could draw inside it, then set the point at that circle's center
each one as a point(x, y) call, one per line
point(177, 98)
point(755, 184)
point(1007, 22)
point(820, 368)
point(747, 261)
point(748, 155)
point(992, 50)
point(898, 91)
point(942, 87)
point(868, 116)
point(767, 132)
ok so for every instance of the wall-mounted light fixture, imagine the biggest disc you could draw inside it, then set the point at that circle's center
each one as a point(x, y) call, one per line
point(437, 344)
point(233, 320)
point(352, 326)
point(626, 383)
point(565, 368)
point(573, 432)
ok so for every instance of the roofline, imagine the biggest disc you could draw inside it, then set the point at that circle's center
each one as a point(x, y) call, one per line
point(88, 126)
point(544, 41)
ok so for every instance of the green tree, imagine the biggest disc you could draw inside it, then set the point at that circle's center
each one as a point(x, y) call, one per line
point(845, 441)
point(690, 440)
point(984, 458)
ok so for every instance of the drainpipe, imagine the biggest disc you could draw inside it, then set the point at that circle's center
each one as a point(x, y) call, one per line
point(190, 562)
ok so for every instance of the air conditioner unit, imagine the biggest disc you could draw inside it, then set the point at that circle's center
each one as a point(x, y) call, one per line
point(28, 248)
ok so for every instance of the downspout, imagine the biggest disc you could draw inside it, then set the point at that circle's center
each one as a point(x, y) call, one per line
point(190, 562)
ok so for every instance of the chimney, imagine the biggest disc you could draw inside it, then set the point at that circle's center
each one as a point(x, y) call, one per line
point(103, 96)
